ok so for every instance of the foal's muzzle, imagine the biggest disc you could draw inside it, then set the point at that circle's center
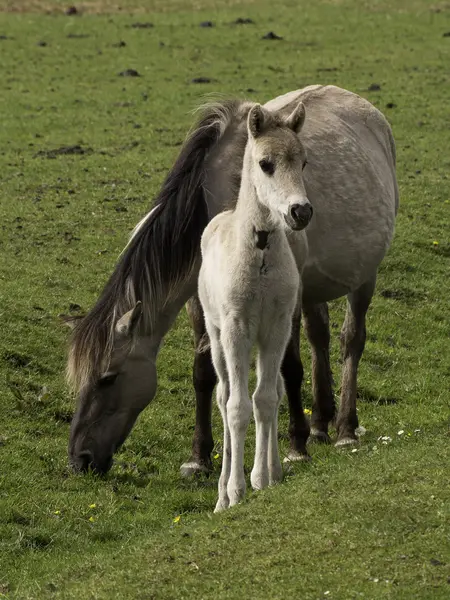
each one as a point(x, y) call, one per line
point(299, 216)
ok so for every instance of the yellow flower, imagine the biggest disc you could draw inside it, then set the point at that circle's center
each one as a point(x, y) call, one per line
point(57, 512)
point(435, 243)
point(91, 519)
point(92, 505)
point(177, 519)
point(307, 411)
point(216, 456)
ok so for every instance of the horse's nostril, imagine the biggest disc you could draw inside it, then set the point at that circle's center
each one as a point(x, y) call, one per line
point(84, 460)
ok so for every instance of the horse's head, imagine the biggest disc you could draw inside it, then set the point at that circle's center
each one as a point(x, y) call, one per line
point(111, 400)
point(277, 159)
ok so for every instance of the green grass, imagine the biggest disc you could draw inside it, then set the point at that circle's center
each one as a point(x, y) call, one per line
point(369, 524)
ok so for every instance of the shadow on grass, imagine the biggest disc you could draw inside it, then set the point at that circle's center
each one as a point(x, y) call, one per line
point(365, 395)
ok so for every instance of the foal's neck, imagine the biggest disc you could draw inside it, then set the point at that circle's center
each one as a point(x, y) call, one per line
point(251, 213)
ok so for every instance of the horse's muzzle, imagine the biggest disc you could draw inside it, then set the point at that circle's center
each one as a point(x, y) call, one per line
point(299, 216)
point(84, 462)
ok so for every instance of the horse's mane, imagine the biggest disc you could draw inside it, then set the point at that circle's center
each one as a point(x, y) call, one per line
point(163, 250)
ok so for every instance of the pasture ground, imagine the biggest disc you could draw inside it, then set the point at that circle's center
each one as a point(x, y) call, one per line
point(367, 524)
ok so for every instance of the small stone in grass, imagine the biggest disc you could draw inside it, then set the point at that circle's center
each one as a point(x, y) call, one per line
point(271, 36)
point(71, 10)
point(206, 24)
point(129, 73)
point(374, 87)
point(201, 80)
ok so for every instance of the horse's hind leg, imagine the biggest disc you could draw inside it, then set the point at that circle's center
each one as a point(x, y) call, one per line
point(353, 337)
point(204, 379)
point(292, 371)
point(318, 331)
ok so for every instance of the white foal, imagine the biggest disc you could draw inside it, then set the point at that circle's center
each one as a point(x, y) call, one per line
point(249, 287)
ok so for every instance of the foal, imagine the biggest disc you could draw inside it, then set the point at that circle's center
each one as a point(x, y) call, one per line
point(249, 287)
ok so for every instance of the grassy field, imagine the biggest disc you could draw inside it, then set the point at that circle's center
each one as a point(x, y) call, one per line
point(372, 523)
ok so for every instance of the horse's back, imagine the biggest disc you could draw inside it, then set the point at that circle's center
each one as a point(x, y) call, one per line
point(350, 181)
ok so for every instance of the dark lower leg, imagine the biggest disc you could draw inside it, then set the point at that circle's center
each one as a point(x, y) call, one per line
point(292, 371)
point(204, 380)
point(318, 332)
point(353, 337)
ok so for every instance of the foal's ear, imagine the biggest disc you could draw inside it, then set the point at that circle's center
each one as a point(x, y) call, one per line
point(256, 119)
point(128, 322)
point(296, 118)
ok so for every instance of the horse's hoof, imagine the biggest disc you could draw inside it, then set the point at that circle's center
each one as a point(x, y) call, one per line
point(295, 456)
point(346, 442)
point(321, 437)
point(193, 467)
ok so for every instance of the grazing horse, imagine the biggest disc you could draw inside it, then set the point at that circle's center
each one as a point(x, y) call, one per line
point(351, 184)
point(249, 287)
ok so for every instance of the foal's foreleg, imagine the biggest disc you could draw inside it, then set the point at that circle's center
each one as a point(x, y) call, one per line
point(204, 379)
point(236, 346)
point(268, 393)
point(317, 329)
point(353, 337)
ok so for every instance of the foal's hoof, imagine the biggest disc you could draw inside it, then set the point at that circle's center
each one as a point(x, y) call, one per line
point(222, 504)
point(346, 442)
point(295, 456)
point(321, 437)
point(194, 467)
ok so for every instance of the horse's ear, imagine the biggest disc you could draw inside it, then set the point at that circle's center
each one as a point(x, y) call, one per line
point(256, 119)
point(296, 118)
point(128, 322)
point(70, 321)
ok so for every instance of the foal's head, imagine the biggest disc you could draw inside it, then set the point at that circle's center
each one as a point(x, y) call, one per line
point(277, 162)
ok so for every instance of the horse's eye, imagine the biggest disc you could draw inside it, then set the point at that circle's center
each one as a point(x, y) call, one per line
point(305, 162)
point(107, 379)
point(267, 166)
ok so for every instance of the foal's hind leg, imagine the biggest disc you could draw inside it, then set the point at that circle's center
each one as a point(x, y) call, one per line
point(222, 392)
point(353, 337)
point(292, 371)
point(317, 329)
point(204, 379)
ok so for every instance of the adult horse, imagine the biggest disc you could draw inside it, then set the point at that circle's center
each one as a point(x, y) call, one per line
point(351, 184)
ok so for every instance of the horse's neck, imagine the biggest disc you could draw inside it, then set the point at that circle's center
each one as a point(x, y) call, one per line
point(162, 319)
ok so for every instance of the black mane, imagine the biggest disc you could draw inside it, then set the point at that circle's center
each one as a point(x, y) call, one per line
point(161, 253)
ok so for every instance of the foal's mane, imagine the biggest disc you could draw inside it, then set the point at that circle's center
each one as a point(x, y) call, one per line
point(161, 254)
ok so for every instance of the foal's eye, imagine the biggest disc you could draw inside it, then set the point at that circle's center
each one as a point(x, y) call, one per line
point(108, 379)
point(267, 166)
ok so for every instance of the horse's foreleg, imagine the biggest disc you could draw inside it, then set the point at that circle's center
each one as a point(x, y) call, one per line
point(353, 337)
point(236, 348)
point(292, 371)
point(318, 332)
point(204, 379)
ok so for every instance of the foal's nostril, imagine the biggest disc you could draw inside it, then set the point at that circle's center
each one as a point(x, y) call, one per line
point(301, 213)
